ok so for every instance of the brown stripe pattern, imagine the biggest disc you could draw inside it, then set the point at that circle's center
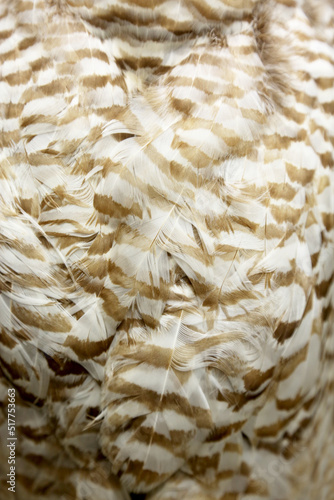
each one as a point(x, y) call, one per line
point(167, 248)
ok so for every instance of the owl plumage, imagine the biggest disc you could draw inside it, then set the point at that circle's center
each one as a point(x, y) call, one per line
point(167, 248)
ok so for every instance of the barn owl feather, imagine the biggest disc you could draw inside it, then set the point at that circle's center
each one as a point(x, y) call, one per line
point(167, 249)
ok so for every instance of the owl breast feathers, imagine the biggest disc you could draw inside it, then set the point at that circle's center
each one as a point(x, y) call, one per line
point(167, 249)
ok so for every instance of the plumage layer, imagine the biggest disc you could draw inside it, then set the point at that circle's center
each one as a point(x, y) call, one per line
point(166, 247)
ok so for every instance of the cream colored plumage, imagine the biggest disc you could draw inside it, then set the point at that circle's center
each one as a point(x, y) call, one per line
point(167, 248)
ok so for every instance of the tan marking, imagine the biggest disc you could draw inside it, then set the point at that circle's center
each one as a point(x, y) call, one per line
point(327, 159)
point(222, 432)
point(328, 108)
point(111, 305)
point(16, 370)
point(7, 339)
point(286, 214)
point(176, 444)
point(323, 288)
point(18, 78)
point(154, 401)
point(87, 349)
point(282, 191)
point(273, 429)
point(108, 206)
point(47, 322)
point(255, 378)
point(258, 487)
point(298, 174)
point(27, 42)
point(254, 114)
point(290, 364)
point(39, 64)
point(289, 404)
point(325, 83)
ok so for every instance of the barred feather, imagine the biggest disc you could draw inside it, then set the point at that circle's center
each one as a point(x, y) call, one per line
point(166, 248)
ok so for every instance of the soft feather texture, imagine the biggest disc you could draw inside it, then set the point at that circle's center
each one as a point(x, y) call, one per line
point(166, 248)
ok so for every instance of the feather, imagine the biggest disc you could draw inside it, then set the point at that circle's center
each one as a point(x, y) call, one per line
point(176, 402)
point(166, 248)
